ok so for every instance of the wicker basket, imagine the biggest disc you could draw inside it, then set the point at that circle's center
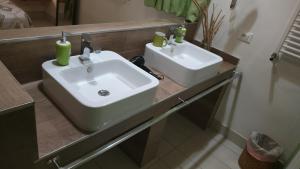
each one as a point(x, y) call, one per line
point(246, 161)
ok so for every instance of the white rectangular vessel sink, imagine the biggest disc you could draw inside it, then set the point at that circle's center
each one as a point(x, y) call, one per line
point(185, 63)
point(112, 90)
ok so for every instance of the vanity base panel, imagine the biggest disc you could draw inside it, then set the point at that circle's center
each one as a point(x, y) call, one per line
point(202, 112)
point(18, 144)
point(143, 147)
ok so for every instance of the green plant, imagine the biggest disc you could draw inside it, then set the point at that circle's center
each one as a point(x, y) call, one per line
point(210, 24)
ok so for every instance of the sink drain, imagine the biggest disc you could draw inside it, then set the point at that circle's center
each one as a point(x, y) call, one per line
point(104, 93)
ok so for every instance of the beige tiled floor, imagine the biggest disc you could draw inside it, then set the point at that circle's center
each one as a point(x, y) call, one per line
point(183, 146)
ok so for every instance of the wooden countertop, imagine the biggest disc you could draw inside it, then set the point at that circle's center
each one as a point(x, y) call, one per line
point(55, 131)
point(12, 96)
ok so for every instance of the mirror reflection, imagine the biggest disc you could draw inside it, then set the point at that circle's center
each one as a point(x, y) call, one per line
point(98, 11)
point(16, 14)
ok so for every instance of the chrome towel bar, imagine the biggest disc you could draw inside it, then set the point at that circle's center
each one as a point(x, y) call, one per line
point(92, 155)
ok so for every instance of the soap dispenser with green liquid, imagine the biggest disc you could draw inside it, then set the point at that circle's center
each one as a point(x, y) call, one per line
point(180, 33)
point(63, 50)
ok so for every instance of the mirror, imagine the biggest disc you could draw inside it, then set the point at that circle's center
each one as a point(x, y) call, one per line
point(16, 14)
point(99, 11)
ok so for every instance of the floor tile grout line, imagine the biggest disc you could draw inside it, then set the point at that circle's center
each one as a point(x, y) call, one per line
point(162, 161)
point(224, 163)
point(232, 149)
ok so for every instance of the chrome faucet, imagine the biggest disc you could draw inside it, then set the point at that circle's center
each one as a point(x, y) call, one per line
point(171, 38)
point(86, 50)
point(85, 56)
point(85, 59)
point(171, 41)
point(86, 42)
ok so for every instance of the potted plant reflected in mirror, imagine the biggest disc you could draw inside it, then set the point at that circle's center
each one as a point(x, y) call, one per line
point(211, 23)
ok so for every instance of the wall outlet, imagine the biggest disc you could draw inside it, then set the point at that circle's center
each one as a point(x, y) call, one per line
point(246, 37)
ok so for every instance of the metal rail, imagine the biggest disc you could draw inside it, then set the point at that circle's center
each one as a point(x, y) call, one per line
point(92, 155)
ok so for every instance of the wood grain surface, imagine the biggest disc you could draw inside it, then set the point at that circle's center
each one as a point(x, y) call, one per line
point(12, 96)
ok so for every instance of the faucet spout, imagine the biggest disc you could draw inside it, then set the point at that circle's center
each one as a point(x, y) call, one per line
point(86, 55)
point(86, 42)
point(85, 59)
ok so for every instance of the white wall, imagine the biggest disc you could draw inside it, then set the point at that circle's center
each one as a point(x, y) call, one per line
point(267, 102)
point(96, 11)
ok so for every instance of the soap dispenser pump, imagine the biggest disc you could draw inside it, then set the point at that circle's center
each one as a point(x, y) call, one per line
point(63, 37)
point(63, 50)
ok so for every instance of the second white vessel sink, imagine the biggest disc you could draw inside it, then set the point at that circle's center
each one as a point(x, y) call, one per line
point(112, 90)
point(185, 63)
